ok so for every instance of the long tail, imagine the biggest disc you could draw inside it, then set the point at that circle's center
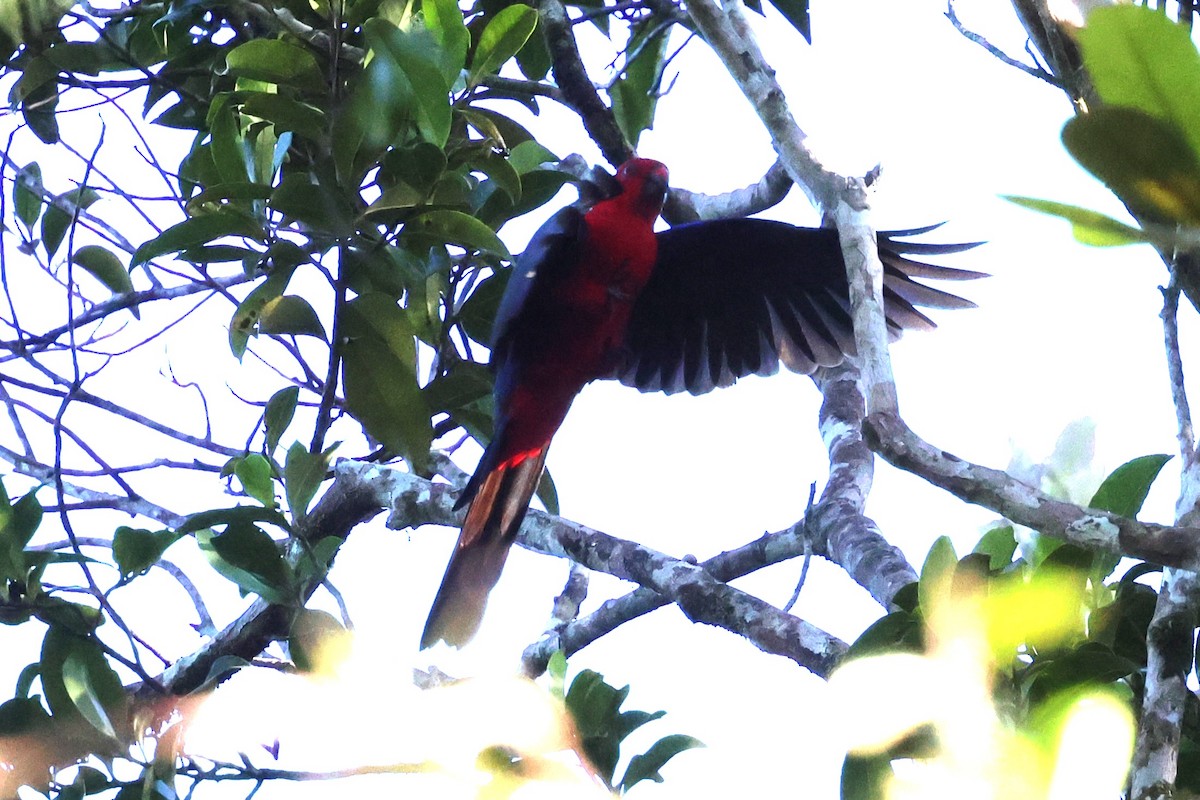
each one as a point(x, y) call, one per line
point(498, 507)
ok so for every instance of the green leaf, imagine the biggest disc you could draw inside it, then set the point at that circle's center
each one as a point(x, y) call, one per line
point(635, 94)
point(796, 13)
point(303, 473)
point(60, 213)
point(290, 315)
point(286, 114)
point(229, 149)
point(445, 21)
point(238, 515)
point(866, 777)
point(647, 765)
point(379, 376)
point(105, 267)
point(317, 207)
point(27, 194)
point(1126, 487)
point(1144, 61)
point(245, 321)
point(197, 231)
point(257, 478)
point(246, 555)
point(417, 55)
point(77, 679)
point(898, 631)
point(504, 35)
point(937, 574)
point(455, 227)
point(277, 415)
point(318, 642)
point(276, 61)
point(998, 545)
point(136, 550)
point(1142, 159)
point(1087, 226)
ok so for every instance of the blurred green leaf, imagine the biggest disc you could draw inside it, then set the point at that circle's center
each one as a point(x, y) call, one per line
point(246, 555)
point(278, 414)
point(504, 35)
point(238, 515)
point(77, 678)
point(646, 766)
point(1142, 159)
point(1142, 60)
point(27, 194)
point(937, 574)
point(136, 550)
point(245, 321)
point(1087, 226)
point(999, 544)
point(796, 13)
point(60, 213)
point(290, 315)
point(257, 478)
point(276, 61)
point(105, 267)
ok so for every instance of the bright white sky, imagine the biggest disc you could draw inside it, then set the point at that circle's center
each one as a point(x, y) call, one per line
point(1062, 332)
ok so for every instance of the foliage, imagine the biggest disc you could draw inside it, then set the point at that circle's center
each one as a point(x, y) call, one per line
point(1141, 142)
point(1048, 631)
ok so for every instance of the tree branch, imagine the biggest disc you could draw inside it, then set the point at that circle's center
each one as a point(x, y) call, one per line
point(1169, 545)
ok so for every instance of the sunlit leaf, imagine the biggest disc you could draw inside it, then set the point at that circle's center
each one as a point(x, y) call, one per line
point(1142, 60)
point(105, 267)
point(937, 574)
point(257, 478)
point(276, 61)
point(415, 52)
point(77, 679)
point(455, 227)
point(504, 35)
point(318, 642)
point(290, 315)
point(1088, 227)
point(1142, 159)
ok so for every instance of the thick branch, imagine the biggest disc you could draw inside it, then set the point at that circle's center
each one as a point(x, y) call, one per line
point(1168, 545)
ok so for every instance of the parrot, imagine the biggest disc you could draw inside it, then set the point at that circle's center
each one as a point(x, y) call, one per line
point(599, 294)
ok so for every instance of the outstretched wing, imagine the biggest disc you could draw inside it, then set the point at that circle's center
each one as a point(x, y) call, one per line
point(736, 297)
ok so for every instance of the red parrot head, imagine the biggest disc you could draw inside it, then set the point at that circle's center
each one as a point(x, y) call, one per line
point(644, 186)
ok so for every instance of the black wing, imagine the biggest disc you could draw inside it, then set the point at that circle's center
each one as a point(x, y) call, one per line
point(736, 297)
point(552, 251)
